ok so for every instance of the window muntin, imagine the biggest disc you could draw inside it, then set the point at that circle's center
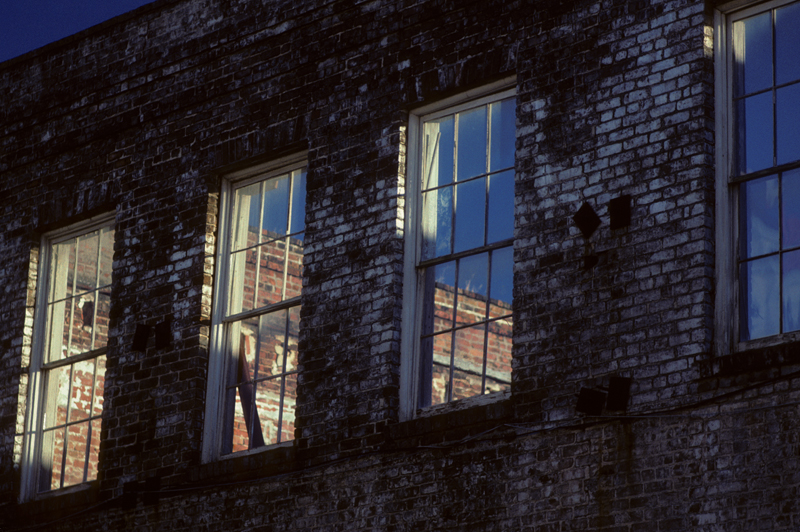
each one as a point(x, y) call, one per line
point(464, 263)
point(260, 320)
point(766, 144)
point(68, 366)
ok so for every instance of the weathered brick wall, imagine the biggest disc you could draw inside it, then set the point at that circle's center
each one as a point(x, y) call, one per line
point(140, 116)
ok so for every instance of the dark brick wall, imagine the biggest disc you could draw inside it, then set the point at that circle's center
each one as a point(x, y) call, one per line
point(140, 117)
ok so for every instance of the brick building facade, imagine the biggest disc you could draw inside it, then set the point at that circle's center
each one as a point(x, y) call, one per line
point(273, 314)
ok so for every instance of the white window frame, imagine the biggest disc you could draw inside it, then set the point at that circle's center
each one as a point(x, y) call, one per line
point(413, 283)
point(727, 297)
point(213, 432)
point(39, 369)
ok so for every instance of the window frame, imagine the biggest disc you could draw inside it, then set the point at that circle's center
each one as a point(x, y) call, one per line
point(39, 369)
point(413, 282)
point(212, 447)
point(727, 295)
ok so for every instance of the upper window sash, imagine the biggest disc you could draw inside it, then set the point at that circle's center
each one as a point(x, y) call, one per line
point(763, 87)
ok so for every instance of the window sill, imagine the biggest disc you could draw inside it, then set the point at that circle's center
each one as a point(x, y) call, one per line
point(451, 422)
point(271, 460)
point(757, 356)
point(53, 505)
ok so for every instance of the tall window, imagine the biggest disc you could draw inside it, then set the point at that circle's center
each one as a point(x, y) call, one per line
point(763, 173)
point(461, 193)
point(69, 360)
point(257, 310)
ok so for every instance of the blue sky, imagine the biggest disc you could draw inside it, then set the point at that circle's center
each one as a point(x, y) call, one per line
point(28, 24)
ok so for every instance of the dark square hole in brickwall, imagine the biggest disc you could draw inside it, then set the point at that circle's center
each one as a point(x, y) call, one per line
point(140, 337)
point(586, 220)
point(619, 210)
point(591, 401)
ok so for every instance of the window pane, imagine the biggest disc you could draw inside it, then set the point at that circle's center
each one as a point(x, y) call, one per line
point(759, 211)
point(753, 53)
point(106, 255)
point(298, 224)
point(437, 225)
point(498, 356)
point(246, 214)
point(790, 193)
point(271, 344)
point(791, 291)
point(100, 385)
point(62, 270)
point(102, 312)
point(760, 298)
point(444, 296)
point(256, 277)
point(294, 274)
point(79, 337)
point(246, 428)
point(437, 148)
point(276, 208)
point(440, 374)
point(270, 275)
point(471, 143)
point(88, 246)
point(51, 459)
point(239, 431)
point(503, 134)
point(80, 406)
point(289, 402)
point(56, 397)
point(268, 407)
point(242, 281)
point(501, 207)
point(246, 349)
point(61, 337)
point(787, 60)
point(754, 143)
point(788, 113)
point(472, 288)
point(75, 463)
point(502, 282)
point(94, 450)
point(294, 338)
point(470, 216)
point(468, 362)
